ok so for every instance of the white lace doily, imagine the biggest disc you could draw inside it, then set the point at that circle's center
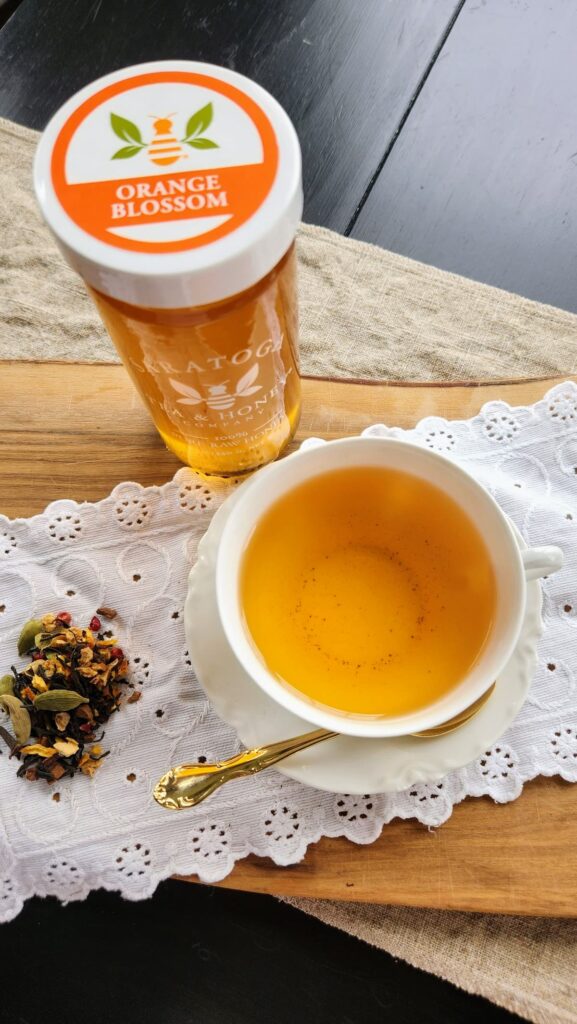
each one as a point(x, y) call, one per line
point(133, 551)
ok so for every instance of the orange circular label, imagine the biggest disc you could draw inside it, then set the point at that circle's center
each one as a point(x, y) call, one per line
point(164, 162)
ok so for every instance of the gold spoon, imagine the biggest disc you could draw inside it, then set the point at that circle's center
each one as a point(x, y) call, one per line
point(458, 720)
point(189, 784)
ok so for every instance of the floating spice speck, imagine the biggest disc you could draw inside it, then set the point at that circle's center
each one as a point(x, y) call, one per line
point(75, 680)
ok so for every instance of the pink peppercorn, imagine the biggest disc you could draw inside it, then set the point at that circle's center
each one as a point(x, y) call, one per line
point(95, 623)
point(64, 617)
point(117, 652)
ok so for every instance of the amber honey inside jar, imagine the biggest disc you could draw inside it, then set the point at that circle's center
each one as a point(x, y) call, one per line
point(174, 189)
point(221, 381)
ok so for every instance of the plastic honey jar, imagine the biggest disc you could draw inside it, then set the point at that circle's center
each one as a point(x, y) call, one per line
point(174, 190)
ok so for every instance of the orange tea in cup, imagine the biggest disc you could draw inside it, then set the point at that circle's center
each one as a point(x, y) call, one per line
point(369, 590)
point(174, 189)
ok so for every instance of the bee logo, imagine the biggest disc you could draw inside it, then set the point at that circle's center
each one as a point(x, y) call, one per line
point(165, 148)
point(218, 396)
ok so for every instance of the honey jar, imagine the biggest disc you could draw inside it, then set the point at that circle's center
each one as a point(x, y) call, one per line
point(174, 190)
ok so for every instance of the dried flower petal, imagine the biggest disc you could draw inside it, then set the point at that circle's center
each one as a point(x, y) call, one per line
point(87, 671)
point(39, 684)
point(62, 639)
point(38, 749)
point(66, 747)
point(88, 766)
point(62, 719)
point(134, 697)
point(83, 636)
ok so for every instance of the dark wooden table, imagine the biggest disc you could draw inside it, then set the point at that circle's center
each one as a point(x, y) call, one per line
point(441, 129)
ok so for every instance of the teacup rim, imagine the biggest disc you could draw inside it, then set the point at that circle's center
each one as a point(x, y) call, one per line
point(324, 716)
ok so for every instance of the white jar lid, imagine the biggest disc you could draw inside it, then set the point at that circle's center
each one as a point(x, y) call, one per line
point(171, 184)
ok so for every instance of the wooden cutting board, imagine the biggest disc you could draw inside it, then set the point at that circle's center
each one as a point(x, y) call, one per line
point(75, 431)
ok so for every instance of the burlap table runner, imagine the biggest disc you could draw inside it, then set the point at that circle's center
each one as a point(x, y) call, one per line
point(366, 313)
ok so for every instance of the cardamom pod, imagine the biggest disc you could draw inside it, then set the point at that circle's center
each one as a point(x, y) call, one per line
point(59, 700)
point(27, 635)
point(19, 717)
point(7, 684)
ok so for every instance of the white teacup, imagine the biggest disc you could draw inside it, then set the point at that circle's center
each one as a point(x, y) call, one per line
point(512, 567)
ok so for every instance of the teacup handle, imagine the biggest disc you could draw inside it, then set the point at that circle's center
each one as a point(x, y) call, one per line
point(539, 562)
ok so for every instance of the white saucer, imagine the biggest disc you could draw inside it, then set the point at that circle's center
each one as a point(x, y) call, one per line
point(345, 764)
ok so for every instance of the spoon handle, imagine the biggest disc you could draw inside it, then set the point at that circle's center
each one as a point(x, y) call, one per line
point(189, 784)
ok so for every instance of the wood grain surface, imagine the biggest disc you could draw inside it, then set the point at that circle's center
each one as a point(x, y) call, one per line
point(345, 72)
point(516, 858)
point(480, 179)
point(77, 430)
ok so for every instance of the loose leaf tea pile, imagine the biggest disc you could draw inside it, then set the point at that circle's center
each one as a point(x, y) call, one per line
point(58, 703)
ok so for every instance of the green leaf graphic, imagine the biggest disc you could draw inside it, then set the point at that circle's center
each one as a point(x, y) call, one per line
point(199, 122)
point(201, 143)
point(126, 130)
point(126, 151)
